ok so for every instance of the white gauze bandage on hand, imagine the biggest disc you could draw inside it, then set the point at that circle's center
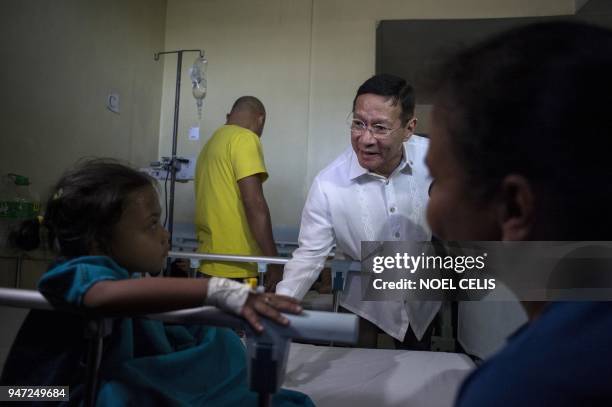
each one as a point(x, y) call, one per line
point(226, 294)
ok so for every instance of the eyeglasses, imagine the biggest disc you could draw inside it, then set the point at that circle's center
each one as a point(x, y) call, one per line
point(378, 131)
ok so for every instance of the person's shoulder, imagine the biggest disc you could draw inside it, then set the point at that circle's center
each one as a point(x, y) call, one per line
point(416, 150)
point(419, 139)
point(337, 167)
point(230, 132)
point(242, 138)
point(418, 142)
point(231, 139)
point(530, 369)
point(219, 136)
point(510, 377)
point(585, 316)
point(238, 131)
point(89, 266)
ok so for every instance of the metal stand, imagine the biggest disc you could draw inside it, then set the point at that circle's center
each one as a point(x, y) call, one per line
point(95, 332)
point(173, 161)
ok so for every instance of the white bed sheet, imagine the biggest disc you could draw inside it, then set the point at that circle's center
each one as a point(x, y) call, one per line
point(355, 377)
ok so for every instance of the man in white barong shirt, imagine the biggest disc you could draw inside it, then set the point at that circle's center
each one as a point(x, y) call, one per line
point(376, 190)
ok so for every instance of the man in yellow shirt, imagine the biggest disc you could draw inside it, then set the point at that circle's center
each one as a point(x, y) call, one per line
point(231, 214)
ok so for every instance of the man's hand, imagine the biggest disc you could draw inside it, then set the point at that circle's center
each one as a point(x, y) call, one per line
point(269, 306)
point(273, 275)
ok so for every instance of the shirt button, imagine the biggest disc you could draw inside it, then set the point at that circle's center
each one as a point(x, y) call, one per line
point(397, 235)
point(392, 209)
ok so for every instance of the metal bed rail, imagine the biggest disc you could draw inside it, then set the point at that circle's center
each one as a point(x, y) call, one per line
point(266, 351)
point(339, 268)
point(444, 341)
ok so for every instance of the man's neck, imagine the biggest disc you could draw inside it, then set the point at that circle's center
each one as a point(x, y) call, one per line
point(389, 169)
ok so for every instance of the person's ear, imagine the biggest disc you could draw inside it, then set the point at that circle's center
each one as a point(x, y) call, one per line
point(409, 128)
point(261, 121)
point(516, 208)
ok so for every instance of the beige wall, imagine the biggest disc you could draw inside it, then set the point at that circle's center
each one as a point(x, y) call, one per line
point(305, 59)
point(60, 59)
point(257, 47)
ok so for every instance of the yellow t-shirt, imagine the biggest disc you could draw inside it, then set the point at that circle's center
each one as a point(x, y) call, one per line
point(232, 153)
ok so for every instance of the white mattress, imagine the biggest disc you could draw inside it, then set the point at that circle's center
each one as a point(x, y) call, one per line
point(356, 377)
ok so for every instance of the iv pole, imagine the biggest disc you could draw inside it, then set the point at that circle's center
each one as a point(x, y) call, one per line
point(173, 159)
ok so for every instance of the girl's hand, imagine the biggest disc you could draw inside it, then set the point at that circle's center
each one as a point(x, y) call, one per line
point(239, 299)
point(270, 306)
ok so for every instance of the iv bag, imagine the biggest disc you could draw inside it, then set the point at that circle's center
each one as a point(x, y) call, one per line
point(198, 81)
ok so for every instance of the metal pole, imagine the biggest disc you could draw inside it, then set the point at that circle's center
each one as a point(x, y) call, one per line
point(229, 257)
point(95, 331)
point(177, 96)
point(308, 326)
point(94, 357)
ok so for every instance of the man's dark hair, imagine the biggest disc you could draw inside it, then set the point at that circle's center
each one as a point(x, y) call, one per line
point(535, 101)
point(392, 87)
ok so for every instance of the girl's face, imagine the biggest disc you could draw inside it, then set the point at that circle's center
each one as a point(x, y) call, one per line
point(140, 243)
point(453, 212)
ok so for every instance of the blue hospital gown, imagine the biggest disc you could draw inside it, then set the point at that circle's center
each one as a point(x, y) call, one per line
point(144, 361)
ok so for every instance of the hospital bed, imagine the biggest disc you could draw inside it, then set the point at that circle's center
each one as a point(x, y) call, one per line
point(342, 376)
point(266, 352)
point(331, 376)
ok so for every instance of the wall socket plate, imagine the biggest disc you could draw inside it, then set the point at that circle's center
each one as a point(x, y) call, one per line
point(112, 102)
point(194, 133)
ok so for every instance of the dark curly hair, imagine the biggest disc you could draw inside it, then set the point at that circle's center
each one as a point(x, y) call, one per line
point(87, 202)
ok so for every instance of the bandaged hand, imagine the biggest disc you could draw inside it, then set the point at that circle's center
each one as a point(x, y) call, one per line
point(239, 299)
point(227, 295)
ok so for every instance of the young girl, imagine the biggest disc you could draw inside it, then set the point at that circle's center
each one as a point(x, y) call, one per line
point(104, 218)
